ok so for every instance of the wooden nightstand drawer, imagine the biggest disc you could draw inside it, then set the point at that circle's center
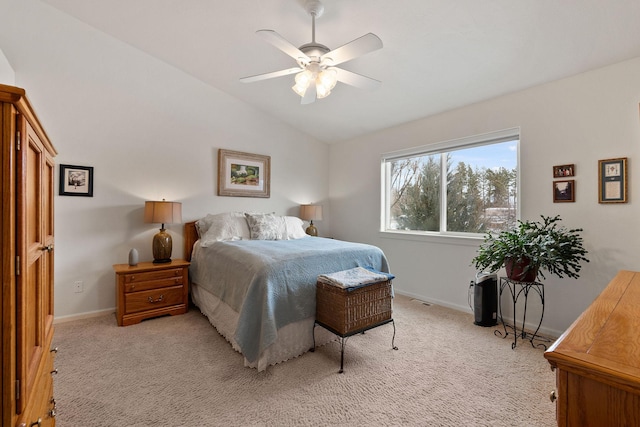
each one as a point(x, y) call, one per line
point(152, 284)
point(154, 299)
point(149, 290)
point(152, 275)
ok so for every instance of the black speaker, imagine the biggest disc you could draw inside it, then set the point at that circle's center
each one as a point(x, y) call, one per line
point(485, 299)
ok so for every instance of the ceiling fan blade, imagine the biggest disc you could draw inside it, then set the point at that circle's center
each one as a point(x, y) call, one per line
point(310, 95)
point(258, 77)
point(357, 80)
point(358, 47)
point(281, 43)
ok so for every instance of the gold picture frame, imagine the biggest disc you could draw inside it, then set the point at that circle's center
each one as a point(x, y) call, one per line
point(612, 180)
point(243, 174)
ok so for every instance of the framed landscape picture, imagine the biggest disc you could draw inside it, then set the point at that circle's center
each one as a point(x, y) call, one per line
point(243, 174)
point(564, 191)
point(76, 181)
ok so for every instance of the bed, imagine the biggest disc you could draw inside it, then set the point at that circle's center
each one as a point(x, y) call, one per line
point(254, 277)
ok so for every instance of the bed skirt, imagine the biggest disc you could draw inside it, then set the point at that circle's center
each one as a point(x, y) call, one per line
point(293, 339)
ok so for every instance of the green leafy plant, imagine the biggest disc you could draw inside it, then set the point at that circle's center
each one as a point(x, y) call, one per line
point(545, 244)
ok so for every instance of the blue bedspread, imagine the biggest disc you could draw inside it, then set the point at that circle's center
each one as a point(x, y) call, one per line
point(272, 283)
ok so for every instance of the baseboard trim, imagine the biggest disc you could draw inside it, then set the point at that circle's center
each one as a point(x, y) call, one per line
point(88, 315)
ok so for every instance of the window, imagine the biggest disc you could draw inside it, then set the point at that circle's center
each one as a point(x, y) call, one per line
point(462, 186)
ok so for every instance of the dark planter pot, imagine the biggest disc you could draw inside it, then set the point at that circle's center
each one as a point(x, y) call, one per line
point(520, 270)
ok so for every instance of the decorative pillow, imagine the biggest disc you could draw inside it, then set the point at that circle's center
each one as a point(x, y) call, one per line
point(294, 227)
point(203, 224)
point(224, 226)
point(266, 226)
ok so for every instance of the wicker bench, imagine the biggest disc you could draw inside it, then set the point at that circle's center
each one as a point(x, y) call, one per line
point(350, 309)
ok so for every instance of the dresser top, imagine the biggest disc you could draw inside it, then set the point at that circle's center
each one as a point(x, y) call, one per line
point(606, 338)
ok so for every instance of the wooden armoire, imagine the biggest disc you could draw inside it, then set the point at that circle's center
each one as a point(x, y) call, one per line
point(26, 230)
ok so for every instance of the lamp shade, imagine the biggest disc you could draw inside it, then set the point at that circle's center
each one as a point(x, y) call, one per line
point(311, 212)
point(163, 212)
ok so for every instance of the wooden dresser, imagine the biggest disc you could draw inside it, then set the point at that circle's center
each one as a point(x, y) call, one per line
point(597, 360)
point(150, 290)
point(26, 230)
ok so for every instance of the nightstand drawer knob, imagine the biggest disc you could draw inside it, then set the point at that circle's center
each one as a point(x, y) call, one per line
point(152, 301)
point(553, 396)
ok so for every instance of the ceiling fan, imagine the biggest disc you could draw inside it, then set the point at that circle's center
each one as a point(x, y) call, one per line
point(316, 73)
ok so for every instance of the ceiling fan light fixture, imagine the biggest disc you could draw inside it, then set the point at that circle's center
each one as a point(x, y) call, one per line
point(322, 91)
point(328, 78)
point(303, 80)
point(325, 82)
point(300, 90)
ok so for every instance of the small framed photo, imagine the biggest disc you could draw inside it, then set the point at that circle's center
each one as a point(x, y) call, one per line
point(243, 174)
point(612, 180)
point(564, 191)
point(563, 171)
point(76, 181)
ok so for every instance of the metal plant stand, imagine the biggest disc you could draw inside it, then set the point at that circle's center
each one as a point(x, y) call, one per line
point(516, 289)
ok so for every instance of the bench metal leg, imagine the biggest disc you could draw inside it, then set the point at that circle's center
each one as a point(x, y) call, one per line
point(344, 338)
point(341, 355)
point(393, 339)
point(343, 341)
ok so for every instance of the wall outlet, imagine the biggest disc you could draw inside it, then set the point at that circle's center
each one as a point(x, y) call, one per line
point(78, 286)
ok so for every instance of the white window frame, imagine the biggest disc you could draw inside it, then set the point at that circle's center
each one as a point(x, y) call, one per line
point(505, 135)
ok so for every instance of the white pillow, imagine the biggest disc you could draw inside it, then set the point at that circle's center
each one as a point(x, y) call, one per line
point(203, 224)
point(223, 226)
point(266, 226)
point(294, 227)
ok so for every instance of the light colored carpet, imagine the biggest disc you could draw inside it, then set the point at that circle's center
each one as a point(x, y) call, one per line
point(177, 371)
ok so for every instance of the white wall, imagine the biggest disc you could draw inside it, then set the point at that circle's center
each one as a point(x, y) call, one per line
point(150, 132)
point(131, 117)
point(577, 120)
point(7, 75)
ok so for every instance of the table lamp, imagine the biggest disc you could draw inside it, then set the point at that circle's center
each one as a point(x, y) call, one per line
point(164, 213)
point(310, 213)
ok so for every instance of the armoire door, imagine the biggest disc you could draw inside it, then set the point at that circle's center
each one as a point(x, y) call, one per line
point(34, 239)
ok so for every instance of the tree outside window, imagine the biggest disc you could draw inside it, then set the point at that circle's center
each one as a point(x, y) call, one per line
point(478, 195)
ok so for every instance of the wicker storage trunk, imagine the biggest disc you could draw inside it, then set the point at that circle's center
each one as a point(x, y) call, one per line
point(347, 312)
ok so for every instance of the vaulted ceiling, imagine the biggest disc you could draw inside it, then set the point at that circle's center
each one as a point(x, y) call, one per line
point(438, 54)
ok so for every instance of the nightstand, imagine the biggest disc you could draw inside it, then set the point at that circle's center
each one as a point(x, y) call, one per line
point(149, 290)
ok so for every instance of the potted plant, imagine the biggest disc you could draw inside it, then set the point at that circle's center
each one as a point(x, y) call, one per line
point(531, 247)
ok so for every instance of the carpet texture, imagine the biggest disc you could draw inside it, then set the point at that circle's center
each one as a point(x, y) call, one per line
point(177, 371)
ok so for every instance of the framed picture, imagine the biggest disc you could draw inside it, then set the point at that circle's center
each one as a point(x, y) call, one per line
point(243, 174)
point(563, 171)
point(564, 191)
point(76, 181)
point(612, 180)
